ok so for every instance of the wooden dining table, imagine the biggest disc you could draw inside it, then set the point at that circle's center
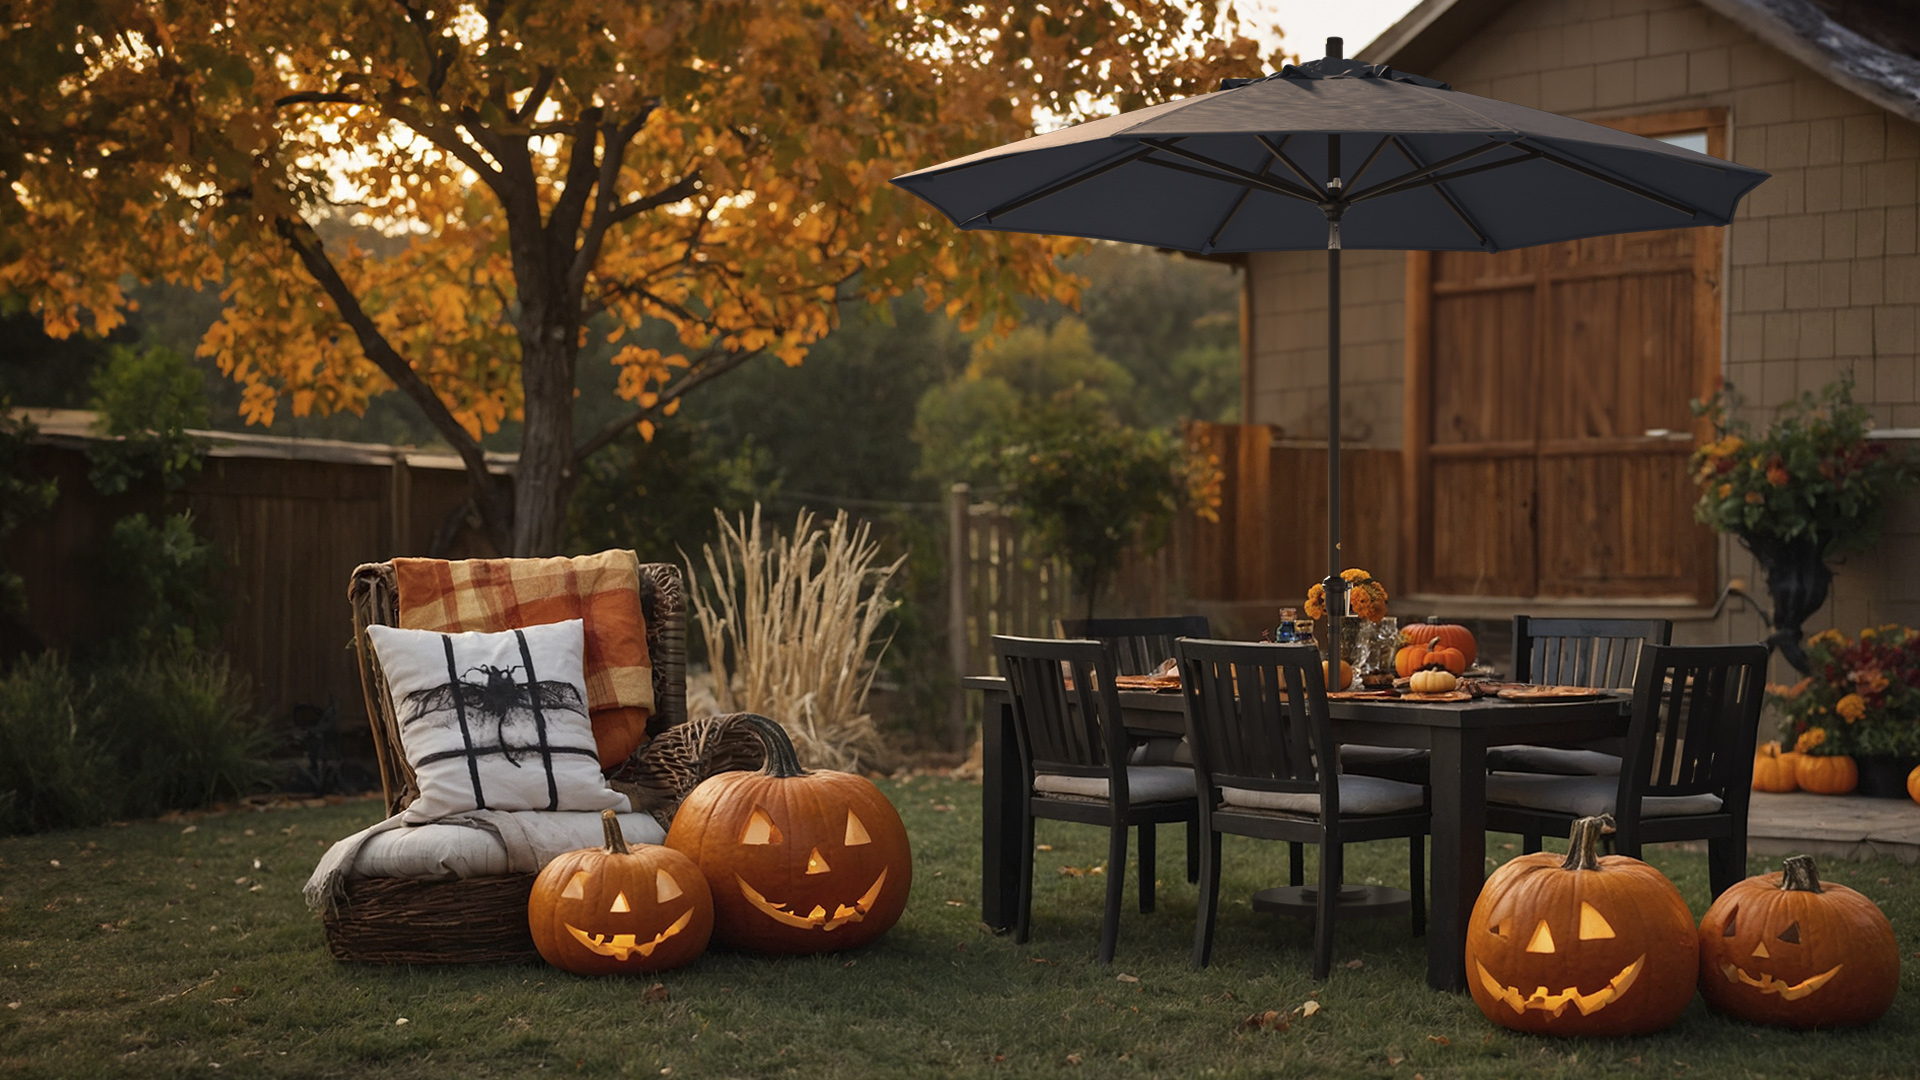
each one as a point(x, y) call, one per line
point(1456, 733)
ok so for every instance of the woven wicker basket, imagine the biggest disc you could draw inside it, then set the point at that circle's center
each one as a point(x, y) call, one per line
point(484, 920)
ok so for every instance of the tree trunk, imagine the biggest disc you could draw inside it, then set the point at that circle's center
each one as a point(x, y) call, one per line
point(543, 482)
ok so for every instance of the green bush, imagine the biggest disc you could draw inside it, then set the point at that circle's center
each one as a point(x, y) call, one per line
point(173, 730)
point(167, 576)
point(181, 726)
point(53, 772)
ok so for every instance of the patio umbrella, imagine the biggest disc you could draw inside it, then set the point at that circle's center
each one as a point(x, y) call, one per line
point(1330, 154)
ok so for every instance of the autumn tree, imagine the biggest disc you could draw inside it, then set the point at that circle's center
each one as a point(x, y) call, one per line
point(446, 198)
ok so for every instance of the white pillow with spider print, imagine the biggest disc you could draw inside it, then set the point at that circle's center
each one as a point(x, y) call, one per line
point(494, 721)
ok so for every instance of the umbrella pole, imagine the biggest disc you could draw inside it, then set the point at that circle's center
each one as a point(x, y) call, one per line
point(1335, 586)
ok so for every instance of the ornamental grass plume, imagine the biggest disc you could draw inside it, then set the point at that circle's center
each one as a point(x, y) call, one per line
point(788, 624)
point(1862, 698)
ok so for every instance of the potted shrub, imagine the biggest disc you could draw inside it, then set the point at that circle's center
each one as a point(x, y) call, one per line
point(1810, 488)
point(1862, 700)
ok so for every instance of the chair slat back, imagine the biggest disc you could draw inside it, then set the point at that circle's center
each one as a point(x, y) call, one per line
point(1603, 653)
point(1257, 717)
point(1066, 711)
point(1695, 712)
point(1137, 645)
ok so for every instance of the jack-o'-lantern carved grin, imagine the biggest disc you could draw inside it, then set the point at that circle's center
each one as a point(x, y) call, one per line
point(1767, 984)
point(1544, 1001)
point(818, 918)
point(620, 946)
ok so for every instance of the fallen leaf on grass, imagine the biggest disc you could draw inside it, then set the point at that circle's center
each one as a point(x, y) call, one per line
point(1395, 1057)
point(1073, 1059)
point(656, 993)
point(1354, 965)
point(1441, 1039)
point(1043, 847)
point(1271, 1020)
point(403, 1021)
point(13, 1004)
point(1123, 977)
point(1308, 1009)
point(1042, 960)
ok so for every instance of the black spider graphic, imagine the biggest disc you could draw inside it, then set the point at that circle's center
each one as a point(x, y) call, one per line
point(499, 699)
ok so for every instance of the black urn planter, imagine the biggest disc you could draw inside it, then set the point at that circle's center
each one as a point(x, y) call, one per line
point(1884, 776)
point(1797, 581)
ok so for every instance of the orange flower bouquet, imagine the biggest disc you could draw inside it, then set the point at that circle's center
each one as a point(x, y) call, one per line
point(1366, 597)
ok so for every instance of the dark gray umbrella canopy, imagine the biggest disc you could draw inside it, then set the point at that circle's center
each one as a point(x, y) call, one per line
point(1424, 167)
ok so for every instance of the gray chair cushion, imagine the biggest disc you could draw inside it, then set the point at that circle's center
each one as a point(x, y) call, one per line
point(1358, 795)
point(1552, 759)
point(1145, 783)
point(1585, 796)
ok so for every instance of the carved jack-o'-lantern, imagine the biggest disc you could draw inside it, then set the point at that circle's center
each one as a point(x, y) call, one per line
point(613, 910)
point(798, 861)
point(1787, 949)
point(1582, 945)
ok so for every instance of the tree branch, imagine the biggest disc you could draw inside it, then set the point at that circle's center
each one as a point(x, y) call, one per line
point(309, 97)
point(541, 85)
point(684, 188)
point(312, 254)
point(613, 429)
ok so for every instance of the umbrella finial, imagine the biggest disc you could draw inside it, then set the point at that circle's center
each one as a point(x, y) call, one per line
point(1335, 48)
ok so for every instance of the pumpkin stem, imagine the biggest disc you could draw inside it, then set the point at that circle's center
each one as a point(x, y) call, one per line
point(1583, 842)
point(1800, 875)
point(616, 840)
point(782, 760)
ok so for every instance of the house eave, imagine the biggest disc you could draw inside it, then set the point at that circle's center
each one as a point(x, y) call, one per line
point(1433, 30)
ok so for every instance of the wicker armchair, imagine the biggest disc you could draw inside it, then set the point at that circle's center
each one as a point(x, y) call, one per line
point(479, 920)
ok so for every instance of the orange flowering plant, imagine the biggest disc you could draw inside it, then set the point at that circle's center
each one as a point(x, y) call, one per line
point(1862, 698)
point(1811, 474)
point(1366, 597)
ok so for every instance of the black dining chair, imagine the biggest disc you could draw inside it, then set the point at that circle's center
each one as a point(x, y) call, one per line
point(1262, 745)
point(1599, 653)
point(1686, 768)
point(1073, 754)
point(1138, 645)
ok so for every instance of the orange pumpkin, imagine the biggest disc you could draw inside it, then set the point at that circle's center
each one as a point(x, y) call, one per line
point(619, 910)
point(1448, 658)
point(1773, 770)
point(1828, 774)
point(798, 861)
point(1346, 675)
point(1410, 658)
point(1448, 634)
point(1913, 784)
point(1581, 944)
point(1786, 949)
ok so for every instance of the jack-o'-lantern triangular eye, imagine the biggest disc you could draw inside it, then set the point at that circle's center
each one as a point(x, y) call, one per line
point(1791, 935)
point(761, 829)
point(856, 832)
point(1542, 939)
point(664, 887)
point(620, 903)
point(576, 887)
point(1731, 917)
point(1592, 923)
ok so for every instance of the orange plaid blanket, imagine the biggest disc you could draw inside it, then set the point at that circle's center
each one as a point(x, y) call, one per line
point(603, 590)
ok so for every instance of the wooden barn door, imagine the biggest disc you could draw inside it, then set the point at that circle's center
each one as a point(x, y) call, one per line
point(1548, 419)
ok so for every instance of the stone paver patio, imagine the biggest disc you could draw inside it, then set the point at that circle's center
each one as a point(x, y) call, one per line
point(1834, 826)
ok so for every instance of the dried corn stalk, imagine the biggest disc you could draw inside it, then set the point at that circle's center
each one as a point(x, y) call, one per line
point(788, 626)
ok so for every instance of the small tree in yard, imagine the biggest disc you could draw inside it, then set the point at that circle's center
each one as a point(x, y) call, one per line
point(444, 197)
point(1090, 487)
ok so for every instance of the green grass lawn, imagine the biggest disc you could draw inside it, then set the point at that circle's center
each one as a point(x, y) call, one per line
point(183, 948)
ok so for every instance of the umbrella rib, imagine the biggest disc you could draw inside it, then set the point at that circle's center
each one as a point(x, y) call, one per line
point(1458, 211)
point(1232, 212)
point(1625, 185)
point(1407, 180)
point(1280, 151)
point(1367, 164)
point(1054, 189)
point(1230, 173)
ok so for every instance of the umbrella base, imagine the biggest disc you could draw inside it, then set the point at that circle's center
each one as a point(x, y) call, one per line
point(1361, 901)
